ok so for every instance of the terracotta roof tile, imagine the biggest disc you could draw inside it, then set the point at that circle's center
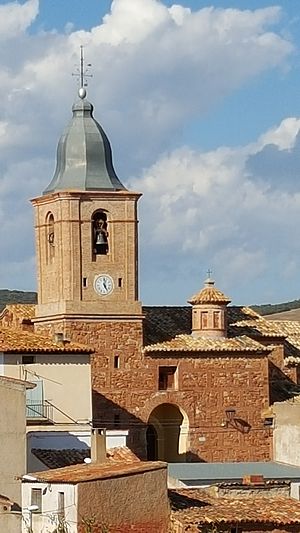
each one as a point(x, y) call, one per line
point(21, 311)
point(93, 471)
point(165, 322)
point(196, 507)
point(187, 343)
point(256, 327)
point(17, 340)
point(209, 295)
point(67, 457)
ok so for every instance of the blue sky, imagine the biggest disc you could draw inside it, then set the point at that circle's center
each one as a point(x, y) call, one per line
point(202, 106)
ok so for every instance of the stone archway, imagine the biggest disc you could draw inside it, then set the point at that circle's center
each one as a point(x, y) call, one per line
point(167, 433)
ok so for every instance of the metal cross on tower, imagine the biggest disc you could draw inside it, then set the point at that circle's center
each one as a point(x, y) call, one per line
point(82, 73)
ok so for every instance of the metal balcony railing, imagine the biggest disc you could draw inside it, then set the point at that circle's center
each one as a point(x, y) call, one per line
point(39, 410)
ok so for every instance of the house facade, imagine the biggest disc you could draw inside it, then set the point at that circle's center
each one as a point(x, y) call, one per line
point(102, 496)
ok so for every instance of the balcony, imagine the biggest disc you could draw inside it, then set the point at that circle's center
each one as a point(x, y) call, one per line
point(39, 412)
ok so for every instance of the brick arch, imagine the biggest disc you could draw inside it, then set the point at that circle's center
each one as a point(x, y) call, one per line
point(170, 424)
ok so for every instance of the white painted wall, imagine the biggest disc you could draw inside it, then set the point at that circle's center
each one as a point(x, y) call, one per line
point(66, 383)
point(286, 434)
point(58, 440)
point(46, 520)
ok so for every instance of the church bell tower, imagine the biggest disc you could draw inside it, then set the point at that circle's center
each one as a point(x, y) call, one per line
point(86, 231)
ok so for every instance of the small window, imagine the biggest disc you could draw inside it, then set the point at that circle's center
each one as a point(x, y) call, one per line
point(204, 320)
point(36, 499)
point(116, 361)
point(61, 505)
point(120, 283)
point(28, 359)
point(84, 283)
point(217, 319)
point(50, 235)
point(166, 377)
point(117, 420)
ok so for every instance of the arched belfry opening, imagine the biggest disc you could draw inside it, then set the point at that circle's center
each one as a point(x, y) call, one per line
point(50, 237)
point(100, 242)
point(167, 434)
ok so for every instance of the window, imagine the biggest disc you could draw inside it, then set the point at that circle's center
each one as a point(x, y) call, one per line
point(166, 377)
point(117, 420)
point(84, 283)
point(61, 505)
point(204, 320)
point(216, 319)
point(99, 233)
point(120, 283)
point(28, 359)
point(36, 499)
point(50, 237)
point(116, 361)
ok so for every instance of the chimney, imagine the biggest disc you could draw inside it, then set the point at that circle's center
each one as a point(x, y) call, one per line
point(252, 479)
point(98, 445)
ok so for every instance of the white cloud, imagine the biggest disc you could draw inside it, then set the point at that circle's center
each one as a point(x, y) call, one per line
point(15, 18)
point(210, 211)
point(283, 136)
point(155, 68)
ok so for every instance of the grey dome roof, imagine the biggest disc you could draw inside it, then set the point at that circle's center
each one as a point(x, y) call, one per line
point(84, 156)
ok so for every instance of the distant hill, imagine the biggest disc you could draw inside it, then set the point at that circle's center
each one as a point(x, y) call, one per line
point(16, 297)
point(24, 297)
point(270, 309)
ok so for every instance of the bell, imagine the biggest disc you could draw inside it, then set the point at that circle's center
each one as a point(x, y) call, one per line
point(100, 238)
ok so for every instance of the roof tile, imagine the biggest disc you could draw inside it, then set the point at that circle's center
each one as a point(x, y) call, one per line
point(195, 507)
point(187, 343)
point(21, 341)
point(93, 471)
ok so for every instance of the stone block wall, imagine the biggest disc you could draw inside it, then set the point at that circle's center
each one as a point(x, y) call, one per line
point(206, 385)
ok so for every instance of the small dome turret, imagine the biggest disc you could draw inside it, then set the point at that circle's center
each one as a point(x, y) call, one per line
point(209, 316)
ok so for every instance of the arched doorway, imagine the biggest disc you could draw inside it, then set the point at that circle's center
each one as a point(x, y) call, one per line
point(152, 451)
point(167, 433)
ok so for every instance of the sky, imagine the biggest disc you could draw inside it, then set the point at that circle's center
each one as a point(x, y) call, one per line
point(201, 102)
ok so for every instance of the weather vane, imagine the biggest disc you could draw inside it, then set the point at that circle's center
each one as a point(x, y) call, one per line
point(82, 73)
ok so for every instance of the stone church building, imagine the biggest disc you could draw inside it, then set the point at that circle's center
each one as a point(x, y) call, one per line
point(191, 383)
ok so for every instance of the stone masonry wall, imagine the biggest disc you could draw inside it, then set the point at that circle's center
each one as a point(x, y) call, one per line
point(125, 397)
point(113, 504)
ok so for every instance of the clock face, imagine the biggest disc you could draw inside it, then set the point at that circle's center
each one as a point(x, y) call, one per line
point(103, 284)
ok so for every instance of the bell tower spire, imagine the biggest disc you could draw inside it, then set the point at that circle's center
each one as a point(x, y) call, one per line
point(86, 227)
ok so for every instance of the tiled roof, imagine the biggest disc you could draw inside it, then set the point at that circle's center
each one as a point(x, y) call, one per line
point(165, 322)
point(187, 343)
point(93, 471)
point(196, 507)
point(20, 341)
point(209, 295)
point(21, 311)
point(60, 458)
point(67, 457)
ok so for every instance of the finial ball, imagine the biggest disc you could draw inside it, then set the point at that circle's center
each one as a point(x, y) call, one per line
point(82, 93)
